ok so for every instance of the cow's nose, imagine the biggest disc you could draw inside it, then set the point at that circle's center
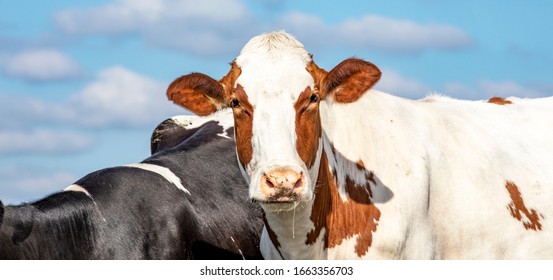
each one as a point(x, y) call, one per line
point(282, 185)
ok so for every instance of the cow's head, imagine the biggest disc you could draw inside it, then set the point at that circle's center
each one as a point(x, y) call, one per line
point(274, 89)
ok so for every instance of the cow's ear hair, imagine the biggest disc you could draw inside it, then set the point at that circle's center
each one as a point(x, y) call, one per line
point(198, 93)
point(349, 80)
point(202, 94)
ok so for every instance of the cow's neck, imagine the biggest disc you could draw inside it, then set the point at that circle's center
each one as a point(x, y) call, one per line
point(341, 215)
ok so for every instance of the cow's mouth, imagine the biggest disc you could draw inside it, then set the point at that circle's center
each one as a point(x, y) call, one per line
point(278, 205)
point(282, 197)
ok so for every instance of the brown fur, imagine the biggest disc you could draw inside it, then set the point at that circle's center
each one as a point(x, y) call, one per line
point(348, 81)
point(308, 127)
point(499, 101)
point(230, 78)
point(342, 220)
point(202, 94)
point(517, 208)
point(243, 123)
point(318, 75)
point(197, 92)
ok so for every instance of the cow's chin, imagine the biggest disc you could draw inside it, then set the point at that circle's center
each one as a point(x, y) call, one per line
point(284, 205)
point(274, 207)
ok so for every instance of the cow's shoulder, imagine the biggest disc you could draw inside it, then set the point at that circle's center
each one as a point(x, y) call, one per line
point(178, 129)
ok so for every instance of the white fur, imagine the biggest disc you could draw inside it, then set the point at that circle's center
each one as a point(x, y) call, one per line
point(266, 61)
point(223, 117)
point(163, 171)
point(440, 165)
point(77, 188)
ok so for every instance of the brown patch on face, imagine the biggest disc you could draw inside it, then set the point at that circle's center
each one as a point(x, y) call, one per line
point(517, 208)
point(318, 75)
point(272, 234)
point(243, 122)
point(230, 78)
point(342, 220)
point(499, 101)
point(360, 165)
point(308, 126)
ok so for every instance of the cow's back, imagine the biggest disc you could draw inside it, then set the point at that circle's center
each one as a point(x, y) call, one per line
point(491, 182)
point(452, 179)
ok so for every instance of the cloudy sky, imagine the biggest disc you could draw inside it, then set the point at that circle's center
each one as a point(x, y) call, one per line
point(82, 83)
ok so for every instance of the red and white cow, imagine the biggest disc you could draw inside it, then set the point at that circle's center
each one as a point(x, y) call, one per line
point(344, 171)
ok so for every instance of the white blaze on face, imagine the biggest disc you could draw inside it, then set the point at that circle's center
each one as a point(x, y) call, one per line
point(273, 77)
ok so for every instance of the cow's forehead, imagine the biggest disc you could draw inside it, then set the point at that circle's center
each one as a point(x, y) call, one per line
point(277, 81)
point(274, 65)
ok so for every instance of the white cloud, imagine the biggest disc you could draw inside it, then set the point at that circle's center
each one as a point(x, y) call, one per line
point(376, 32)
point(20, 111)
point(510, 88)
point(201, 27)
point(31, 182)
point(117, 17)
point(121, 97)
point(486, 89)
point(211, 27)
point(40, 65)
point(393, 82)
point(396, 84)
point(41, 141)
point(117, 97)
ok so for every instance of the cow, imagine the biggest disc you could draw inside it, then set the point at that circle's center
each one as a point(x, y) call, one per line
point(345, 171)
point(187, 201)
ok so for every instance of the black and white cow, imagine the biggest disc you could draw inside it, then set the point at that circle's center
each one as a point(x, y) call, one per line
point(187, 201)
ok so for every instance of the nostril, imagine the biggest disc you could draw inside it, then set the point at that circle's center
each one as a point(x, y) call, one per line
point(269, 183)
point(298, 184)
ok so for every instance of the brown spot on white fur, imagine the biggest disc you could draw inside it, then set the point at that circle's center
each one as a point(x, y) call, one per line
point(308, 126)
point(369, 175)
point(243, 123)
point(499, 101)
point(342, 220)
point(517, 208)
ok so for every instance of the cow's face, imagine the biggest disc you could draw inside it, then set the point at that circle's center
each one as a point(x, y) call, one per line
point(274, 89)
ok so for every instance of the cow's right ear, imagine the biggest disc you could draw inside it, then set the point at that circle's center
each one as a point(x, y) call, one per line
point(202, 94)
point(198, 93)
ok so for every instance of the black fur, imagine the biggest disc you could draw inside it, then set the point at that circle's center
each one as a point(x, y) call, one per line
point(137, 214)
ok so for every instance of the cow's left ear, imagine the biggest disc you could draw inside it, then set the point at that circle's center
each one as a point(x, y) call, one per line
point(347, 82)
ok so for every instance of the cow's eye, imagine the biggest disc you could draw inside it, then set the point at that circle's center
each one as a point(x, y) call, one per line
point(234, 103)
point(314, 98)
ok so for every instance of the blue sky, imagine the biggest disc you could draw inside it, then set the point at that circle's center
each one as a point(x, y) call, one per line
point(82, 84)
